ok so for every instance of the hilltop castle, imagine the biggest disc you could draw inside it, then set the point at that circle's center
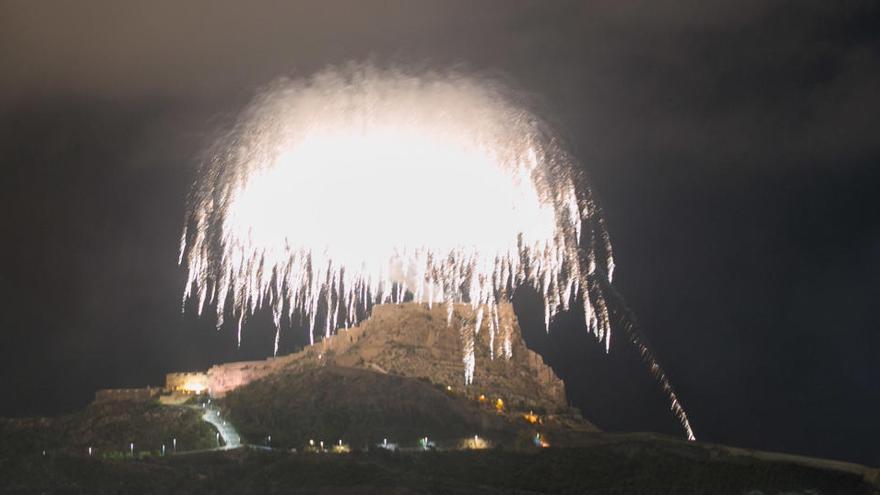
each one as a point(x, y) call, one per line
point(403, 339)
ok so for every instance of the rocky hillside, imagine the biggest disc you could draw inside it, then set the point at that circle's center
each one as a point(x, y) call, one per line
point(400, 375)
point(359, 406)
point(109, 429)
point(412, 340)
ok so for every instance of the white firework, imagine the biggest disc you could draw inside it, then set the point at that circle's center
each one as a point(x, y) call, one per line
point(359, 185)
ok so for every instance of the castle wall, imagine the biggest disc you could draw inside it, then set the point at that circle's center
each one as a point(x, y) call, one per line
point(126, 394)
point(223, 378)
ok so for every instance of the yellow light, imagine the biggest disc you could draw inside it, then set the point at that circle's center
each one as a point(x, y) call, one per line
point(194, 387)
point(474, 443)
point(531, 417)
point(499, 405)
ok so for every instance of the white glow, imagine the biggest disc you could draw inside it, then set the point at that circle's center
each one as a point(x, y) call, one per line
point(194, 387)
point(358, 185)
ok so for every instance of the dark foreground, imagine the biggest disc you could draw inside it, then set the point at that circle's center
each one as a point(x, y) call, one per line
point(630, 466)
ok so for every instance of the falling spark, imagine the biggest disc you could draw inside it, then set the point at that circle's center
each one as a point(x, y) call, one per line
point(361, 185)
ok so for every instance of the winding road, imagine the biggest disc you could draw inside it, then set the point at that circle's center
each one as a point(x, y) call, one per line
point(230, 436)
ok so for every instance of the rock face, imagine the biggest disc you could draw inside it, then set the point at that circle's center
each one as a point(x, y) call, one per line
point(413, 340)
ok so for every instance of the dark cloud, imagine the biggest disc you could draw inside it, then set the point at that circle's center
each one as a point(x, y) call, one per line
point(755, 82)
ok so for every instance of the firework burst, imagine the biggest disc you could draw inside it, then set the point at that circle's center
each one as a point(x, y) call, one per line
point(359, 186)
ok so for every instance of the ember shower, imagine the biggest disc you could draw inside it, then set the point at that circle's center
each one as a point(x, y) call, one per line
point(361, 185)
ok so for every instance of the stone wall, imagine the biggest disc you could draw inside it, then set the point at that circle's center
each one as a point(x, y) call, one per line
point(126, 394)
point(228, 376)
point(225, 377)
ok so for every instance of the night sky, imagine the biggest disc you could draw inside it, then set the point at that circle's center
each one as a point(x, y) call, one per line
point(735, 148)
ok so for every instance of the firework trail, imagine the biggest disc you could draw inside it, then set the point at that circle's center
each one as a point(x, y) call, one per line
point(637, 337)
point(360, 185)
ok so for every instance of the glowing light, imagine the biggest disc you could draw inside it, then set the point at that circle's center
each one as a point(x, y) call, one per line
point(194, 387)
point(359, 186)
point(474, 443)
point(387, 445)
point(531, 417)
point(499, 405)
point(426, 444)
point(540, 441)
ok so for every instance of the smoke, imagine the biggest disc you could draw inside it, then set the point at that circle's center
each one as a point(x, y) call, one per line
point(360, 185)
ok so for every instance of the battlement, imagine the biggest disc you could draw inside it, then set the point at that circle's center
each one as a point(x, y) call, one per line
point(127, 394)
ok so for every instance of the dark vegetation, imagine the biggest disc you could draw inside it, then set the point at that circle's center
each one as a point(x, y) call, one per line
point(626, 467)
point(362, 407)
point(109, 428)
point(358, 406)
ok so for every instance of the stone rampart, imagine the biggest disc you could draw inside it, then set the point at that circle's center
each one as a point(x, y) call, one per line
point(127, 394)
